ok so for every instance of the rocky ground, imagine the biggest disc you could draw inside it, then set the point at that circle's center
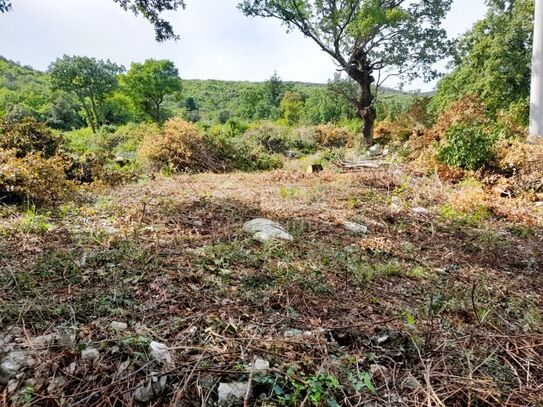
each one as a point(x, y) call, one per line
point(381, 287)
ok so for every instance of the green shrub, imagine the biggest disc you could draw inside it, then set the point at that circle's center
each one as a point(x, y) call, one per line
point(272, 137)
point(28, 136)
point(467, 147)
point(242, 154)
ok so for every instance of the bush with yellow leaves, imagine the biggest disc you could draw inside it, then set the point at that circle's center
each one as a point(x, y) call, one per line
point(333, 137)
point(180, 146)
point(32, 178)
point(28, 136)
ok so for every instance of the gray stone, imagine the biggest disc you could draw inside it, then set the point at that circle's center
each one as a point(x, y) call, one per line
point(43, 341)
point(232, 392)
point(159, 352)
point(13, 363)
point(264, 230)
point(55, 384)
point(151, 388)
point(90, 354)
point(356, 228)
point(67, 339)
point(411, 383)
point(12, 386)
point(118, 326)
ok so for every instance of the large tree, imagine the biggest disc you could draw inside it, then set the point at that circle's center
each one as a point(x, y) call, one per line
point(492, 60)
point(370, 40)
point(149, 83)
point(149, 9)
point(90, 80)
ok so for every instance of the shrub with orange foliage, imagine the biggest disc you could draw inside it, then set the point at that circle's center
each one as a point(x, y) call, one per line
point(179, 146)
point(333, 137)
point(470, 110)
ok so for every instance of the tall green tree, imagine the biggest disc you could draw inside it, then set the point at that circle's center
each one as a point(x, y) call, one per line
point(149, 9)
point(90, 80)
point(149, 83)
point(367, 38)
point(292, 106)
point(492, 60)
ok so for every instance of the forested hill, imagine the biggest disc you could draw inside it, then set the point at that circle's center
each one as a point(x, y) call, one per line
point(25, 91)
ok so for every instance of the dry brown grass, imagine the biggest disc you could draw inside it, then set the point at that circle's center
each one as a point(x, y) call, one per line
point(456, 291)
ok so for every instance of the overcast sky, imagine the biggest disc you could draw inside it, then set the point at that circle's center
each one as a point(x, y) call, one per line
point(217, 41)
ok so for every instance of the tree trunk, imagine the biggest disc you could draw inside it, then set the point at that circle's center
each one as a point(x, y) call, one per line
point(96, 113)
point(367, 110)
point(368, 115)
point(90, 119)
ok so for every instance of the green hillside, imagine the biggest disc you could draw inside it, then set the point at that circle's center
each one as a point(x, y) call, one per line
point(25, 91)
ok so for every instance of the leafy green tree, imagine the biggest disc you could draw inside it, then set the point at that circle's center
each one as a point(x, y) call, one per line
point(90, 80)
point(492, 60)
point(149, 9)
point(366, 37)
point(118, 109)
point(149, 83)
point(292, 106)
point(63, 113)
point(274, 89)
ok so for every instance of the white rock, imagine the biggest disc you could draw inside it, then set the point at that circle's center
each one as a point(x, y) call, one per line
point(291, 333)
point(375, 150)
point(355, 227)
point(71, 368)
point(266, 229)
point(539, 204)
point(382, 339)
point(420, 211)
point(90, 354)
point(118, 326)
point(12, 363)
point(151, 388)
point(160, 352)
point(258, 365)
point(232, 392)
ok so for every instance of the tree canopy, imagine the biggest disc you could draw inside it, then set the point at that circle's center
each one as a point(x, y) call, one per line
point(368, 37)
point(89, 79)
point(492, 60)
point(149, 83)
